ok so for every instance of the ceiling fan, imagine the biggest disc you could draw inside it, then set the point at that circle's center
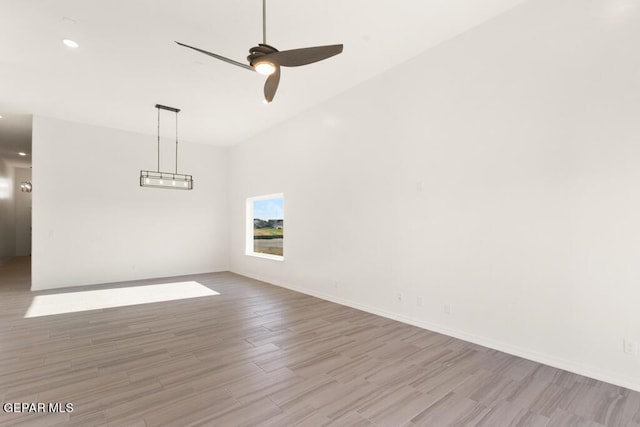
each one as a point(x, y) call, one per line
point(267, 60)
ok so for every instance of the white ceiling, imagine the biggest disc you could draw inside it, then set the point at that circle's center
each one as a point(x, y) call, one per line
point(127, 61)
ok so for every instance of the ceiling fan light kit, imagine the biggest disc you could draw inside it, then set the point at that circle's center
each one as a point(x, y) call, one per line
point(265, 68)
point(267, 60)
point(168, 180)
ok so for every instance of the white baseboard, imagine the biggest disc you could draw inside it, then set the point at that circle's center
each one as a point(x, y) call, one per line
point(545, 359)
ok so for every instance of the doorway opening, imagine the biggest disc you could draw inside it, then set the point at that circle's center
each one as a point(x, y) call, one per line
point(16, 186)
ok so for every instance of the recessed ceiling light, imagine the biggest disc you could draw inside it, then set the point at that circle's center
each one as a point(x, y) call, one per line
point(22, 154)
point(70, 43)
point(0, 117)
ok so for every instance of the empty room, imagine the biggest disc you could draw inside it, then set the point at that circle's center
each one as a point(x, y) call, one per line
point(329, 213)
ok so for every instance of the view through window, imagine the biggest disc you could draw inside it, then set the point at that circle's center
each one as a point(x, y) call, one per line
point(267, 217)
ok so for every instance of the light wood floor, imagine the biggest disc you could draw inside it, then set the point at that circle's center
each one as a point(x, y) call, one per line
point(260, 355)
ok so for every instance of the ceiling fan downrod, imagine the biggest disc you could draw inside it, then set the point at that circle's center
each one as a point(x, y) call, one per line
point(264, 21)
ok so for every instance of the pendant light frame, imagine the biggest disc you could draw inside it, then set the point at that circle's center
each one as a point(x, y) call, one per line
point(167, 180)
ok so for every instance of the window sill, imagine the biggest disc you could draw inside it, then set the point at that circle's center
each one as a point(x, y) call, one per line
point(265, 256)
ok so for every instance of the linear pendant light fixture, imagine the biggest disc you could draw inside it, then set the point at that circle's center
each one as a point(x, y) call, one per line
point(170, 180)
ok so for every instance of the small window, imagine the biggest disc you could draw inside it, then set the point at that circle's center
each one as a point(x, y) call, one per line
point(265, 226)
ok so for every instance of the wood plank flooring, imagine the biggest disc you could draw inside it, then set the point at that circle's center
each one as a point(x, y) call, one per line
point(260, 355)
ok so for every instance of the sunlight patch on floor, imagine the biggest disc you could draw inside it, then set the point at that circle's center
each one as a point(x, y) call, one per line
point(71, 302)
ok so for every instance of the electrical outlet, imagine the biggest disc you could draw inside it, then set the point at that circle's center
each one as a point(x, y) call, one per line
point(630, 347)
point(399, 297)
point(447, 309)
point(420, 301)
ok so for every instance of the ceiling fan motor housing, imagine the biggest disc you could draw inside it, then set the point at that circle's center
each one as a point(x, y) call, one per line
point(258, 51)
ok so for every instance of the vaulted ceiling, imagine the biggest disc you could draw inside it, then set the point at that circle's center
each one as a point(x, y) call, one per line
point(127, 60)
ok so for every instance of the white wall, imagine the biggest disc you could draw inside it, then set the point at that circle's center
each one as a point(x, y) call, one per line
point(92, 223)
point(23, 213)
point(7, 212)
point(497, 173)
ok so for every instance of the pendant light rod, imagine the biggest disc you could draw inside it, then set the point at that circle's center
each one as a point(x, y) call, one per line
point(264, 21)
point(177, 141)
point(175, 110)
point(158, 138)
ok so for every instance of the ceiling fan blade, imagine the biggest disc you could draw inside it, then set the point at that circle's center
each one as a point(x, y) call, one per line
point(271, 85)
point(304, 56)
point(222, 58)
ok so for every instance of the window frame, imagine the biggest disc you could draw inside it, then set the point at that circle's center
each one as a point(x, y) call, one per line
point(249, 241)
